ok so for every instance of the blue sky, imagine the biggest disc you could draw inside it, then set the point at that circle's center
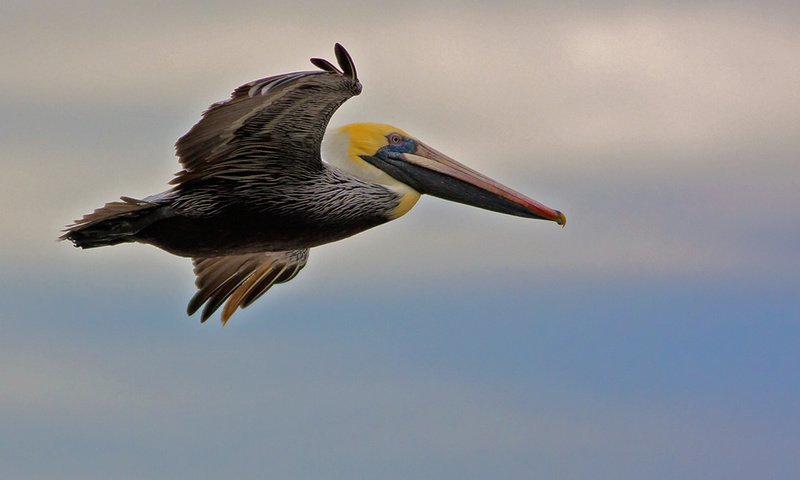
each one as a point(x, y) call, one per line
point(655, 337)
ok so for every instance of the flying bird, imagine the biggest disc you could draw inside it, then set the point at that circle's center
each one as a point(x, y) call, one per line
point(259, 187)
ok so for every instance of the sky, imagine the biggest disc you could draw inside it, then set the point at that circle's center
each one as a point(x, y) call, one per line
point(656, 336)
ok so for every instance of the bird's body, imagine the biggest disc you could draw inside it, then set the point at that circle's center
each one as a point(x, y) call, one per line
point(254, 193)
point(200, 222)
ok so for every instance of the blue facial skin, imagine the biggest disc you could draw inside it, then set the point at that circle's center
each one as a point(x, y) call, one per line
point(399, 146)
point(389, 158)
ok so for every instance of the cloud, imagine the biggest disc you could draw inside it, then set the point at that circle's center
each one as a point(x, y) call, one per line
point(619, 80)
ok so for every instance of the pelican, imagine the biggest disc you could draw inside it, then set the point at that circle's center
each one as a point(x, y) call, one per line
point(254, 194)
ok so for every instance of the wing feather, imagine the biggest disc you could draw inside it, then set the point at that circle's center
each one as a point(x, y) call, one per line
point(323, 64)
point(269, 125)
point(239, 280)
point(345, 62)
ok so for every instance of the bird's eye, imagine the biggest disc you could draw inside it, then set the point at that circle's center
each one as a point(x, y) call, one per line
point(395, 139)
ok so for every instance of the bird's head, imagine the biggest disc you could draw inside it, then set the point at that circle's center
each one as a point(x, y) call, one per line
point(384, 154)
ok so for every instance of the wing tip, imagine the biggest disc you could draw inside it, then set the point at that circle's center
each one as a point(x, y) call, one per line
point(325, 65)
point(346, 67)
point(345, 61)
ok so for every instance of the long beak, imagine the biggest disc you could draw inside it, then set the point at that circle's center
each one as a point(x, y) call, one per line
point(432, 172)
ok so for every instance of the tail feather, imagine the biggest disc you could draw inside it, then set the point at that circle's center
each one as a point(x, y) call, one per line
point(113, 223)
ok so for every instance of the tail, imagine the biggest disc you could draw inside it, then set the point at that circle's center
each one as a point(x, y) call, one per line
point(113, 223)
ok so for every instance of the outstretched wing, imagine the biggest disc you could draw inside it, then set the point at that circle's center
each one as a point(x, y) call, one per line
point(240, 279)
point(272, 124)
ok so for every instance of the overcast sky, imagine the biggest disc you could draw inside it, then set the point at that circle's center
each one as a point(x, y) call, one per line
point(656, 336)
